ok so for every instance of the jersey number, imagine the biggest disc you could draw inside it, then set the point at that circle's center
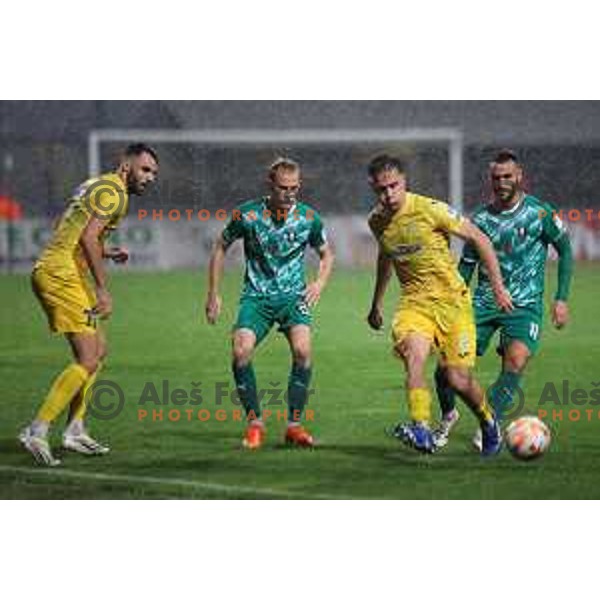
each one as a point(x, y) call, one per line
point(534, 331)
point(303, 308)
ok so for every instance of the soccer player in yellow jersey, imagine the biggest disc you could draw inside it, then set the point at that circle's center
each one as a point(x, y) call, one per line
point(434, 311)
point(72, 304)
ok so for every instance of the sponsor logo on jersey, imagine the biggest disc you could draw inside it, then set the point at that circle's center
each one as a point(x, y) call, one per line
point(404, 250)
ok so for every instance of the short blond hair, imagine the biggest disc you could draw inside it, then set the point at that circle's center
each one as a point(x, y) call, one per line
point(283, 163)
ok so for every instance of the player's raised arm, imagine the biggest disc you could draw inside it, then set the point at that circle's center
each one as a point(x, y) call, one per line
point(473, 235)
point(93, 249)
point(215, 273)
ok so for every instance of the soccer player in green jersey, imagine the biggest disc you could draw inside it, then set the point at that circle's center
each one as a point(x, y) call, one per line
point(521, 227)
point(276, 231)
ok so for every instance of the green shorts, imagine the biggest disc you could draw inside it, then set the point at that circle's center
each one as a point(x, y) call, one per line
point(522, 324)
point(261, 314)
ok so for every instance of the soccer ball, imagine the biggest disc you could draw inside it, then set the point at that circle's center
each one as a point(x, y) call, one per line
point(527, 438)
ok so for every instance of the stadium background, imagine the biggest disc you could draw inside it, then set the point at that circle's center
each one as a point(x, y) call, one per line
point(44, 154)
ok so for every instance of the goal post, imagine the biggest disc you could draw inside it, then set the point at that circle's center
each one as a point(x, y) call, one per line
point(451, 138)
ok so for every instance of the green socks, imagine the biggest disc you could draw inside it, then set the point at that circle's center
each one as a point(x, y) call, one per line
point(298, 391)
point(245, 381)
point(446, 395)
point(502, 391)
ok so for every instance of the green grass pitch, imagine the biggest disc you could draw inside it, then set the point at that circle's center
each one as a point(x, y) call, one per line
point(158, 333)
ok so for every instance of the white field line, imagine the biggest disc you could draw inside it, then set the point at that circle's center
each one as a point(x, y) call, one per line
point(58, 473)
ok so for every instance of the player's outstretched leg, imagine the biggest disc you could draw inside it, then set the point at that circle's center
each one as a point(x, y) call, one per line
point(462, 381)
point(298, 386)
point(244, 342)
point(414, 350)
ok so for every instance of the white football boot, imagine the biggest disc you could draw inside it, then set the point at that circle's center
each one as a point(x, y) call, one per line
point(84, 444)
point(441, 432)
point(477, 440)
point(38, 447)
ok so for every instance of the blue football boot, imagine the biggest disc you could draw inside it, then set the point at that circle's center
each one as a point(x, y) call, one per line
point(415, 435)
point(491, 438)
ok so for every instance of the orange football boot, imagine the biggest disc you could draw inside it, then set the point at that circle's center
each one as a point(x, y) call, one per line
point(296, 435)
point(254, 436)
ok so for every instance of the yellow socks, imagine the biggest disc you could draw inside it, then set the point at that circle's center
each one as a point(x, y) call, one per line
point(419, 404)
point(484, 412)
point(63, 390)
point(78, 407)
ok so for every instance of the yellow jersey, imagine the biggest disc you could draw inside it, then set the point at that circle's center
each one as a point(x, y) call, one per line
point(416, 238)
point(104, 197)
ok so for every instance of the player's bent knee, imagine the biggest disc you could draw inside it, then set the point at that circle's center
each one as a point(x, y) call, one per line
point(242, 357)
point(242, 353)
point(302, 356)
point(89, 364)
point(458, 379)
point(413, 358)
point(515, 361)
point(412, 350)
point(243, 344)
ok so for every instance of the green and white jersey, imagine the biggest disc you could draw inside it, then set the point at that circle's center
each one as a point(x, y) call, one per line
point(274, 249)
point(520, 237)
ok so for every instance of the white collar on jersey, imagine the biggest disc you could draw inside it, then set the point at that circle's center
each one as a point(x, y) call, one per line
point(516, 207)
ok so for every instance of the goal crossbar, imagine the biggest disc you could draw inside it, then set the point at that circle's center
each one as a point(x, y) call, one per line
point(452, 138)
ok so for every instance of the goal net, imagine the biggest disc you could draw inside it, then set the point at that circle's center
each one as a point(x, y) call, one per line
point(208, 170)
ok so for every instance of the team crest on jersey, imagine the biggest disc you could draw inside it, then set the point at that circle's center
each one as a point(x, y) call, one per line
point(411, 230)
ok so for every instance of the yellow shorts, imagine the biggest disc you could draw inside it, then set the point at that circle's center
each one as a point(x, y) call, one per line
point(448, 324)
point(67, 300)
